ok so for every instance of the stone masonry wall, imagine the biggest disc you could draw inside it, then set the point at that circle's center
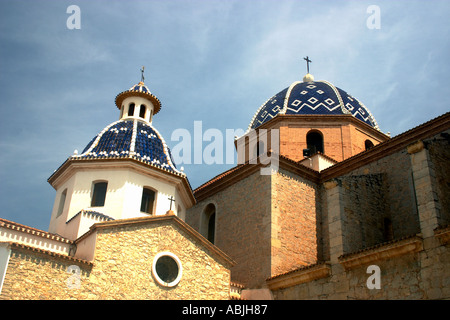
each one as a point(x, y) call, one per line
point(323, 236)
point(267, 224)
point(32, 275)
point(364, 198)
point(293, 141)
point(406, 186)
point(121, 269)
point(439, 150)
point(385, 189)
point(399, 278)
point(243, 229)
point(412, 276)
point(294, 222)
point(135, 247)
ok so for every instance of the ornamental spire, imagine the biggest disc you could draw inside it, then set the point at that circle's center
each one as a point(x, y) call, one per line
point(307, 63)
point(142, 74)
point(308, 77)
point(139, 90)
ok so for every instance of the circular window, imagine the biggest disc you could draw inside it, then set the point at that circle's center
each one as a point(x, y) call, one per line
point(167, 269)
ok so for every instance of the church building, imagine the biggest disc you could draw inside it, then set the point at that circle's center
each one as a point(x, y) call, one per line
point(117, 228)
point(345, 198)
point(347, 212)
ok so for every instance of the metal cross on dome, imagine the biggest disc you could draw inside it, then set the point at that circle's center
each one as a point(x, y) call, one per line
point(142, 74)
point(307, 63)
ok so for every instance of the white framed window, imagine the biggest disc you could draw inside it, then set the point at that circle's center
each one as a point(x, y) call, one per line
point(167, 269)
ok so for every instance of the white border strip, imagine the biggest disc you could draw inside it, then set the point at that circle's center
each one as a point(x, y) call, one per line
point(155, 274)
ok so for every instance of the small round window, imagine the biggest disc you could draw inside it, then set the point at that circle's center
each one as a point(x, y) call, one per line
point(167, 269)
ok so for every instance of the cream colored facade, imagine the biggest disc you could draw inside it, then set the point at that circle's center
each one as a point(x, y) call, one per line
point(122, 254)
point(126, 181)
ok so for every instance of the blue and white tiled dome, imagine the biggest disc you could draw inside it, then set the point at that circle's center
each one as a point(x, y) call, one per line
point(130, 138)
point(312, 98)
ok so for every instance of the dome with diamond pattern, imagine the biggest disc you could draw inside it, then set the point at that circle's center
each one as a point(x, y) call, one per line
point(309, 97)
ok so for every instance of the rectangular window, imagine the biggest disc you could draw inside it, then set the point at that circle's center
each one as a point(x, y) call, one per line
point(142, 111)
point(99, 194)
point(62, 200)
point(148, 199)
point(131, 109)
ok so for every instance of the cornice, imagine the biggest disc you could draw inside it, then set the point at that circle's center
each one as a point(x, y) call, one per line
point(379, 151)
point(225, 180)
point(388, 147)
point(342, 119)
point(26, 248)
point(381, 252)
point(69, 167)
point(32, 231)
point(230, 177)
point(443, 233)
point(171, 218)
point(299, 276)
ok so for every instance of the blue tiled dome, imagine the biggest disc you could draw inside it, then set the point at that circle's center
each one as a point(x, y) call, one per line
point(133, 139)
point(312, 98)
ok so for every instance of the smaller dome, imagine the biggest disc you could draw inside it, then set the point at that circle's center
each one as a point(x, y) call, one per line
point(130, 139)
point(140, 90)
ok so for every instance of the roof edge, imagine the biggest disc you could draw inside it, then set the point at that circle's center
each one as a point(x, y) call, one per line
point(149, 96)
point(390, 146)
point(229, 177)
point(152, 219)
point(383, 149)
point(30, 230)
point(24, 247)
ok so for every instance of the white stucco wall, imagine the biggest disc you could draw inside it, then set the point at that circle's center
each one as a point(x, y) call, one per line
point(123, 196)
point(138, 101)
point(34, 238)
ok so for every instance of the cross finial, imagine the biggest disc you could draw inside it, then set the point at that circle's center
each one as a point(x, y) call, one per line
point(171, 200)
point(142, 74)
point(307, 63)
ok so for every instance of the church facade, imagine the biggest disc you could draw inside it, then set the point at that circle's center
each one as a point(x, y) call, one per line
point(347, 213)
